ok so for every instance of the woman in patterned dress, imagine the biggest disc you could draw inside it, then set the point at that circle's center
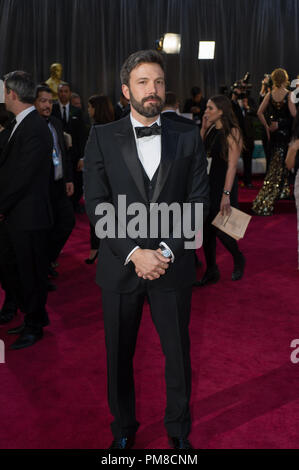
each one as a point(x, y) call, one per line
point(281, 109)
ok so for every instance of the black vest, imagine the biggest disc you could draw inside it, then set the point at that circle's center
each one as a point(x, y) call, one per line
point(149, 185)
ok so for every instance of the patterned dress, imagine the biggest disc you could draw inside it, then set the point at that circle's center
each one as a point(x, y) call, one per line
point(276, 183)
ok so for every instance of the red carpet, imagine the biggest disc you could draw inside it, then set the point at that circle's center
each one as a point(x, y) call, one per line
point(245, 388)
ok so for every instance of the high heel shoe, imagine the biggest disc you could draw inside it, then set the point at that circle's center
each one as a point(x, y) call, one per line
point(92, 260)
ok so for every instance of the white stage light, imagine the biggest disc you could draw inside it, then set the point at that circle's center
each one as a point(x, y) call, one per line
point(169, 43)
point(206, 50)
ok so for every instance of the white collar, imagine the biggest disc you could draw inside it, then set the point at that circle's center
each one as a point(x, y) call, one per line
point(23, 114)
point(135, 123)
point(62, 105)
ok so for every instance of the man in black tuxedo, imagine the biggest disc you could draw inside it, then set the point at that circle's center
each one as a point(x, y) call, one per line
point(7, 255)
point(171, 105)
point(61, 187)
point(25, 168)
point(122, 107)
point(73, 124)
point(196, 105)
point(245, 110)
point(163, 163)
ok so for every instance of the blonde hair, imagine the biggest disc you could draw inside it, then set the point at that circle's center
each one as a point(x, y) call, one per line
point(280, 77)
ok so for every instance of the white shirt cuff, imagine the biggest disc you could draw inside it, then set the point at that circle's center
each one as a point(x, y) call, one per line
point(130, 254)
point(166, 246)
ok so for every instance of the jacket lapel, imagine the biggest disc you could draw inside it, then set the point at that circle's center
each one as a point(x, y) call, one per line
point(129, 152)
point(11, 140)
point(169, 140)
point(8, 144)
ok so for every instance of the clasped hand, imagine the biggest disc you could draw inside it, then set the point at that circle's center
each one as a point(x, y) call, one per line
point(149, 264)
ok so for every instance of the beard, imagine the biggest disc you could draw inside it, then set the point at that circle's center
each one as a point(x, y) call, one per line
point(151, 110)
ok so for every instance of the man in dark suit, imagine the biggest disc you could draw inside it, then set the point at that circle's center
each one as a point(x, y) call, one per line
point(73, 124)
point(25, 168)
point(122, 108)
point(7, 255)
point(245, 110)
point(61, 187)
point(146, 159)
point(196, 105)
point(171, 105)
point(249, 112)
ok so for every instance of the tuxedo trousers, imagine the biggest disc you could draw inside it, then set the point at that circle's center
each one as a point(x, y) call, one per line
point(64, 219)
point(170, 312)
point(9, 276)
point(31, 250)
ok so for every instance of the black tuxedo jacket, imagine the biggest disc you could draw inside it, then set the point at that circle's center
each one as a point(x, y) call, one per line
point(112, 168)
point(25, 171)
point(176, 117)
point(65, 154)
point(76, 128)
point(4, 136)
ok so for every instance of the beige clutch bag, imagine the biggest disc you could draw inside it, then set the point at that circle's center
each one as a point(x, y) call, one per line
point(234, 224)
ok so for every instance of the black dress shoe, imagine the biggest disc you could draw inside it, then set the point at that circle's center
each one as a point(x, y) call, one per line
point(8, 311)
point(211, 276)
point(17, 330)
point(123, 443)
point(6, 317)
point(27, 338)
point(239, 265)
point(179, 443)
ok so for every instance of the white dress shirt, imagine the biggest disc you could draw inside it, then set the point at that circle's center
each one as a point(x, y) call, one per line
point(149, 154)
point(67, 110)
point(19, 118)
point(148, 148)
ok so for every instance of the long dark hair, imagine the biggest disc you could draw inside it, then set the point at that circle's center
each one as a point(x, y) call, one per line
point(230, 126)
point(104, 111)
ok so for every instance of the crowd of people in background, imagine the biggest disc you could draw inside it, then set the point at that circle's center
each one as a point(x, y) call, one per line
point(229, 126)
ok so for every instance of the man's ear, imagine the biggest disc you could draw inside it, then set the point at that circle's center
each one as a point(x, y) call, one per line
point(14, 95)
point(126, 91)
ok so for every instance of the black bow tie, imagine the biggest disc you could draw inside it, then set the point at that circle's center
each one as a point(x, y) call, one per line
point(147, 131)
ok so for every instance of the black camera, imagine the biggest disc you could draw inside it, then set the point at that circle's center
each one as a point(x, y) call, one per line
point(241, 88)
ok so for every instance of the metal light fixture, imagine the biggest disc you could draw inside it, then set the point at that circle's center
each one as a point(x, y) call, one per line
point(206, 50)
point(170, 43)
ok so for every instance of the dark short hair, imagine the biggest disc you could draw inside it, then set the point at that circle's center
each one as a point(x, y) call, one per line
point(22, 84)
point(61, 84)
point(42, 88)
point(139, 57)
point(170, 99)
point(195, 91)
